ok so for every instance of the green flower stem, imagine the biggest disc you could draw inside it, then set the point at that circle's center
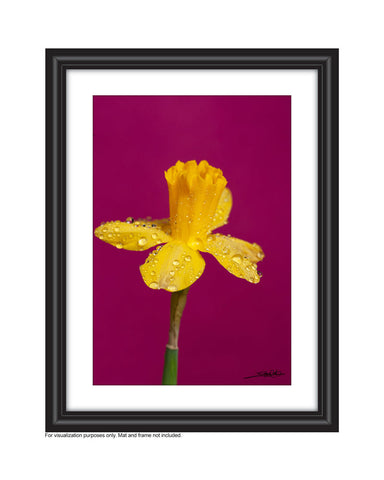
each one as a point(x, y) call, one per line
point(170, 367)
point(178, 301)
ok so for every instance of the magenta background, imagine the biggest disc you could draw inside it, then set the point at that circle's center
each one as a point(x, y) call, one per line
point(230, 328)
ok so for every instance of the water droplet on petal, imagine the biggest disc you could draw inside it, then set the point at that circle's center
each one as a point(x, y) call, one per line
point(154, 285)
point(116, 229)
point(188, 258)
point(119, 245)
point(154, 236)
point(172, 288)
point(142, 241)
point(104, 229)
point(176, 262)
point(237, 259)
point(153, 274)
point(171, 273)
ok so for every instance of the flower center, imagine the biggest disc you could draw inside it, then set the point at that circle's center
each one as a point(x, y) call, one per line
point(194, 193)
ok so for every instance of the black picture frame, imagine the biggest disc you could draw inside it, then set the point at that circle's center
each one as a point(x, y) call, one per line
point(58, 418)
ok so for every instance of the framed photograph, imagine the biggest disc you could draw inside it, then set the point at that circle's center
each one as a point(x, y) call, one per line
point(192, 240)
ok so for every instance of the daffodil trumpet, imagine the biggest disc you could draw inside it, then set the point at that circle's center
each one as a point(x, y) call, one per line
point(199, 203)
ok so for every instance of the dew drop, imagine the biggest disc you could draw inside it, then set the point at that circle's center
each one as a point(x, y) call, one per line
point(153, 274)
point(154, 285)
point(176, 262)
point(172, 288)
point(101, 237)
point(154, 236)
point(119, 245)
point(225, 251)
point(188, 258)
point(116, 229)
point(142, 241)
point(104, 229)
point(171, 273)
point(237, 259)
point(109, 235)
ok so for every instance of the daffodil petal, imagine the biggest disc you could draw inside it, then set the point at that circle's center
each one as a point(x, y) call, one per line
point(237, 256)
point(132, 236)
point(162, 223)
point(223, 209)
point(172, 267)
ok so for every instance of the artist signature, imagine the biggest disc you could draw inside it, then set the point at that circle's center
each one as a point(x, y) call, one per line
point(267, 373)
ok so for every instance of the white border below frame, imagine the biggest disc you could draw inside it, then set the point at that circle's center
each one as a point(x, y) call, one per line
point(302, 86)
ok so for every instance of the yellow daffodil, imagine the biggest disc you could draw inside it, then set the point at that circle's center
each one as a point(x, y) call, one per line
point(199, 202)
